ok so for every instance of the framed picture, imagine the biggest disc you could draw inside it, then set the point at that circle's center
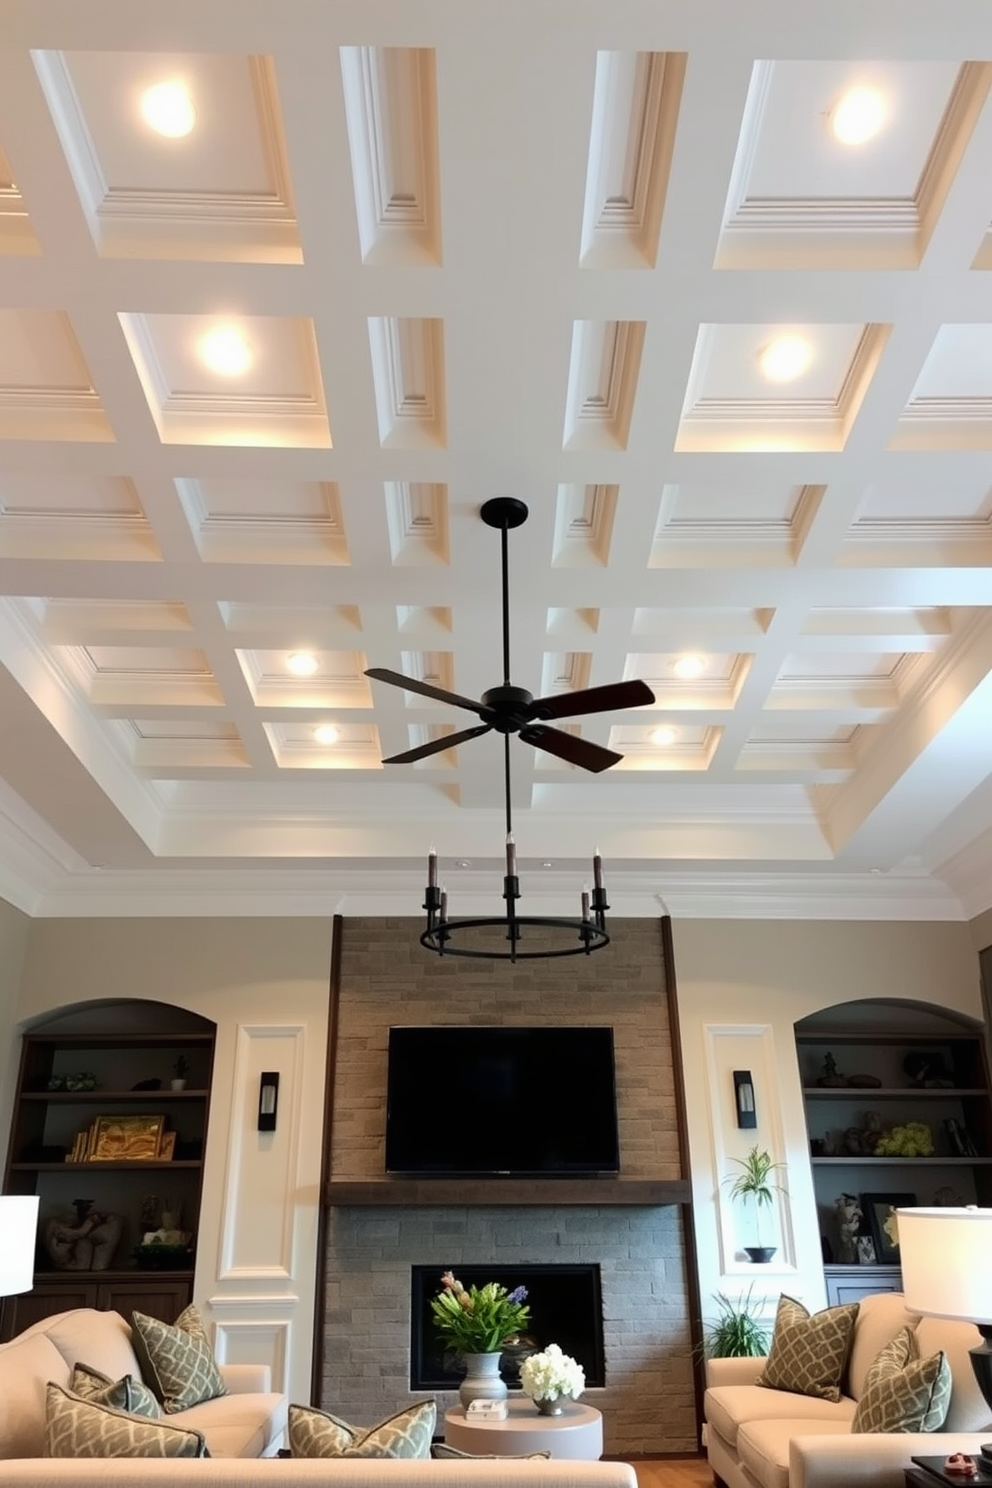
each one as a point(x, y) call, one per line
point(879, 1210)
point(167, 1151)
point(126, 1138)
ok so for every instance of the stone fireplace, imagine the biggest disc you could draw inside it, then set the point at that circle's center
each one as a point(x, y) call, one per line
point(638, 1249)
point(566, 1307)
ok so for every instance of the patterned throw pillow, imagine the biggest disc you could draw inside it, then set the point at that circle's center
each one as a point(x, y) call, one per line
point(316, 1433)
point(441, 1450)
point(127, 1394)
point(81, 1428)
point(177, 1362)
point(808, 1355)
point(903, 1392)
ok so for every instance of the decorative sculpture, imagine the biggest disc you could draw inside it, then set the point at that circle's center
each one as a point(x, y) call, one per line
point(849, 1217)
point(87, 1243)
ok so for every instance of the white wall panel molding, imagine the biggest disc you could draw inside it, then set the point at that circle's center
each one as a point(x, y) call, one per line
point(752, 1047)
point(260, 1184)
point(390, 96)
point(255, 1340)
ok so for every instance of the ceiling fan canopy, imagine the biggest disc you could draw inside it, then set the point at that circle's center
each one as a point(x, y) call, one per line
point(513, 710)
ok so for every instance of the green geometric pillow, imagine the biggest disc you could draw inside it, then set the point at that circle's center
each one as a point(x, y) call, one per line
point(81, 1428)
point(808, 1355)
point(903, 1392)
point(316, 1433)
point(177, 1362)
point(127, 1394)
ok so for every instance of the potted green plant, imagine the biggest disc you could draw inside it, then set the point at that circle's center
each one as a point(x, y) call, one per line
point(180, 1070)
point(755, 1184)
point(737, 1331)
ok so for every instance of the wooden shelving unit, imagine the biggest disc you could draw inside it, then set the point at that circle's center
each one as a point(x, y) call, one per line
point(121, 1044)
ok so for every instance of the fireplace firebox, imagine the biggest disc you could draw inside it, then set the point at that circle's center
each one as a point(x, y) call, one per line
point(565, 1308)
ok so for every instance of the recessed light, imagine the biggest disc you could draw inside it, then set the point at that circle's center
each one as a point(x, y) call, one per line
point(326, 733)
point(664, 736)
point(689, 666)
point(785, 358)
point(462, 863)
point(547, 864)
point(301, 663)
point(857, 116)
point(225, 350)
point(168, 109)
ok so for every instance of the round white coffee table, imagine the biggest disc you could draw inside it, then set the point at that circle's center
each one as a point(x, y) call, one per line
point(577, 1433)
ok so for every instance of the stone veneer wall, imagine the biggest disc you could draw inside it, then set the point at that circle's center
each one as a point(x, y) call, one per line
point(386, 978)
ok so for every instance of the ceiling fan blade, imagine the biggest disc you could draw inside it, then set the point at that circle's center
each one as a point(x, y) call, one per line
point(612, 698)
point(574, 751)
point(410, 684)
point(435, 746)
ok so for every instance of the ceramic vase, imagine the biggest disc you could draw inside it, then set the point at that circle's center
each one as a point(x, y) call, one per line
point(482, 1379)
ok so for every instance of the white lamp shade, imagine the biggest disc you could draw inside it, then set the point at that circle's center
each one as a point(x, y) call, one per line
point(946, 1260)
point(18, 1228)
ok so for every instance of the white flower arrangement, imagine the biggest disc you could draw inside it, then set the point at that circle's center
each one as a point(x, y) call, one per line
point(551, 1374)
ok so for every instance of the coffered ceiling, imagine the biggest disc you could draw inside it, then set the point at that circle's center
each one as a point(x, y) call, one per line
point(287, 290)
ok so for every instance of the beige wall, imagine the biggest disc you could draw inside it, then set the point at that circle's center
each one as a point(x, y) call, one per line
point(265, 985)
point(741, 986)
point(14, 928)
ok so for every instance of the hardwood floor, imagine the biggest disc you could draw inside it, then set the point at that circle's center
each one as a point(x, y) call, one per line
point(673, 1472)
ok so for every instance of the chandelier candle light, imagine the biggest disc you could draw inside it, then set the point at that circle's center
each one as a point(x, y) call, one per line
point(513, 710)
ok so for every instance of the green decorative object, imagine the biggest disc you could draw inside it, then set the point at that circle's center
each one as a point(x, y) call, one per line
point(737, 1332)
point(756, 1185)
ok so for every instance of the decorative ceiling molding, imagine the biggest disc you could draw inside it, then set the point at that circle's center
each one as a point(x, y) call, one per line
point(390, 98)
point(636, 100)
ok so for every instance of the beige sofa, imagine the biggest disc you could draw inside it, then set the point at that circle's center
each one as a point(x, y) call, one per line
point(247, 1422)
point(238, 1427)
point(759, 1438)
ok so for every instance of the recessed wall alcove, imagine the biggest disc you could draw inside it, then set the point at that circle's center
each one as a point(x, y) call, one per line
point(566, 1307)
point(377, 1230)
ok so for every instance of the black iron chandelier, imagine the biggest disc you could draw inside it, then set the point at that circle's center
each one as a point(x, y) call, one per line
point(512, 710)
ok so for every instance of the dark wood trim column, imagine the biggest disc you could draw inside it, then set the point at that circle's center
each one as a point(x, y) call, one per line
point(330, 1065)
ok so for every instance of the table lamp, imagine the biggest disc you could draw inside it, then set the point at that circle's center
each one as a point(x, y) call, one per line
point(18, 1228)
point(945, 1256)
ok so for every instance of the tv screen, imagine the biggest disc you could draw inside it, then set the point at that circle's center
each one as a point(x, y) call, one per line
point(521, 1102)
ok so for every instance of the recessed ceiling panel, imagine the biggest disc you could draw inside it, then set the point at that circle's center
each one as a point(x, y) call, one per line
point(241, 380)
point(73, 516)
point(846, 164)
point(175, 155)
point(777, 387)
point(46, 391)
point(16, 232)
point(951, 405)
point(252, 521)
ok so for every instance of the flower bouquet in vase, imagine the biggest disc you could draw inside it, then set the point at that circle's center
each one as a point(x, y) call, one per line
point(478, 1321)
point(550, 1379)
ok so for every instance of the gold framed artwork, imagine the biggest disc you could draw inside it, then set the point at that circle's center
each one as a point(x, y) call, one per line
point(126, 1138)
point(167, 1149)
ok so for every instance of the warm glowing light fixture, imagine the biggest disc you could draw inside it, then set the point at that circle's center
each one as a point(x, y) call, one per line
point(225, 350)
point(689, 666)
point(785, 358)
point(664, 735)
point(301, 663)
point(857, 116)
point(168, 109)
point(326, 733)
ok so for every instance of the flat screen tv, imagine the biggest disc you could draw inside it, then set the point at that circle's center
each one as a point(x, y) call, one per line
point(501, 1102)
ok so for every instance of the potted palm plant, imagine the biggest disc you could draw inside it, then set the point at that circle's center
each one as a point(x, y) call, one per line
point(737, 1331)
point(755, 1184)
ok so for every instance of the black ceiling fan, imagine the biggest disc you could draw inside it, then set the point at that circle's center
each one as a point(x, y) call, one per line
point(513, 710)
